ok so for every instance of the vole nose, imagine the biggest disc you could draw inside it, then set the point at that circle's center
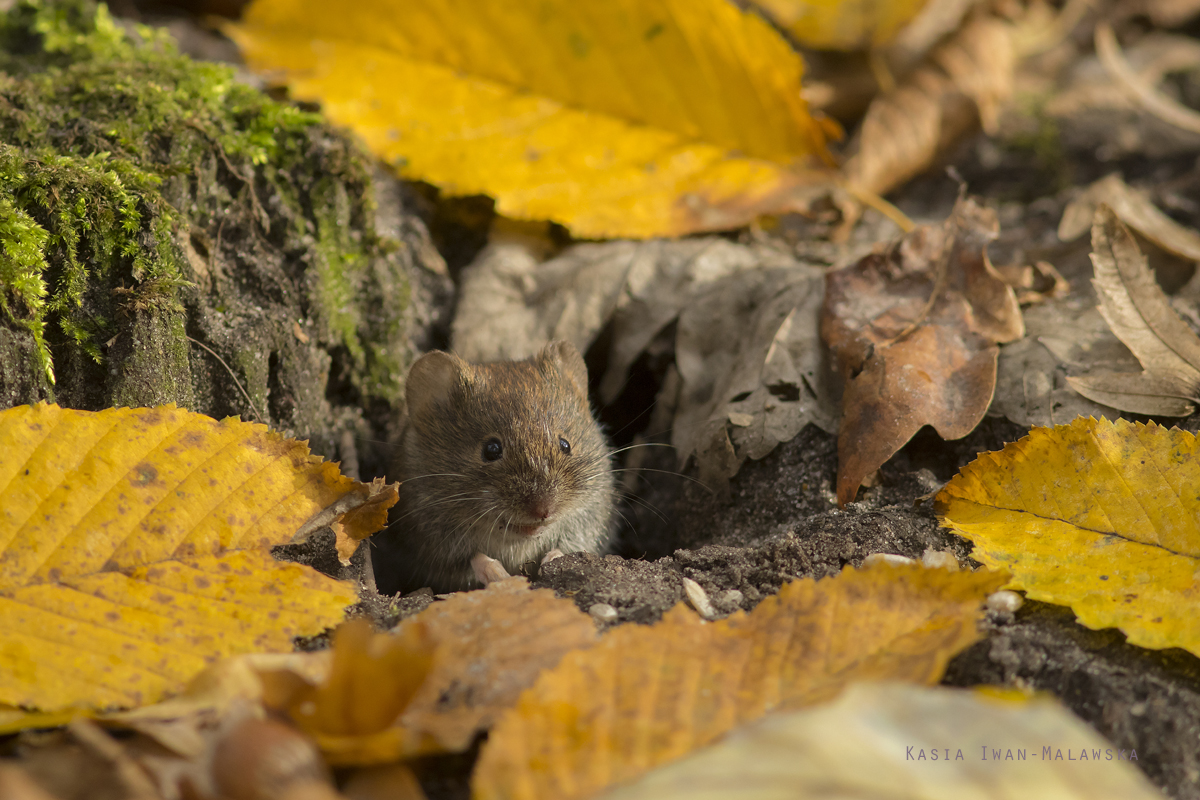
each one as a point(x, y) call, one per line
point(540, 507)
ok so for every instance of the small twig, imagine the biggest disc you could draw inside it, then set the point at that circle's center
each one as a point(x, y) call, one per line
point(941, 278)
point(872, 200)
point(1150, 99)
point(264, 219)
point(257, 416)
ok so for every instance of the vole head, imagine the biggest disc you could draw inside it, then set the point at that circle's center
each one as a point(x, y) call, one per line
point(513, 443)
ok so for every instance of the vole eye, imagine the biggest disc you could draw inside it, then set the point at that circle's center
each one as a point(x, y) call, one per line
point(492, 450)
point(564, 445)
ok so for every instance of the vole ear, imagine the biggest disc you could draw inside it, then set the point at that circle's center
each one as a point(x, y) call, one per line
point(432, 380)
point(565, 356)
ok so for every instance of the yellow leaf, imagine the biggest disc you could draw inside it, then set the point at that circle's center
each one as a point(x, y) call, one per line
point(372, 678)
point(933, 744)
point(614, 117)
point(647, 695)
point(838, 25)
point(1103, 517)
point(134, 550)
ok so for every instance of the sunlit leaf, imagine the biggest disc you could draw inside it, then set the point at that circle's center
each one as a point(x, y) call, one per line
point(135, 549)
point(933, 744)
point(1103, 517)
point(614, 117)
point(646, 695)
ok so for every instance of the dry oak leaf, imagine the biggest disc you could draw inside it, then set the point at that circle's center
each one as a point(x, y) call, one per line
point(492, 644)
point(646, 695)
point(1137, 310)
point(961, 84)
point(628, 118)
point(1102, 517)
point(903, 732)
point(435, 682)
point(914, 332)
point(838, 25)
point(135, 549)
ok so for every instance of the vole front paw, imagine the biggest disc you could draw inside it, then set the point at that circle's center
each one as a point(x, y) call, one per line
point(487, 569)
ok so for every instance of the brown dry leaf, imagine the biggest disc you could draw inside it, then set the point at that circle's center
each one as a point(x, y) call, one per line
point(511, 302)
point(1138, 312)
point(437, 680)
point(266, 759)
point(81, 762)
point(1061, 339)
point(1133, 207)
point(647, 695)
point(962, 83)
point(356, 516)
point(492, 646)
point(1142, 92)
point(914, 332)
point(241, 755)
point(936, 21)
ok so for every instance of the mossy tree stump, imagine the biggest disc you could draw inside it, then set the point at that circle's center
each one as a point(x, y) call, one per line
point(169, 235)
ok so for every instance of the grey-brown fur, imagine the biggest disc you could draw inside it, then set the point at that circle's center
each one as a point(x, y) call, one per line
point(454, 503)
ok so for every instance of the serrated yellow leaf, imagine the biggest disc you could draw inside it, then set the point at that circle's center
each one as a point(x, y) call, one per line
point(134, 550)
point(646, 695)
point(614, 117)
point(1102, 517)
point(839, 25)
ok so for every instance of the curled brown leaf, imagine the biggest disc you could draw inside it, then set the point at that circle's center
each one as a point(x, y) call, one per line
point(914, 332)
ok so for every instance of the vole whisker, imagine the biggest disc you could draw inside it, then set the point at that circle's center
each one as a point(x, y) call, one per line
point(633, 497)
point(664, 472)
point(454, 498)
point(436, 475)
point(642, 444)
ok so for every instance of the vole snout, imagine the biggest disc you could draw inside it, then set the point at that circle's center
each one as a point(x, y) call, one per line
point(540, 507)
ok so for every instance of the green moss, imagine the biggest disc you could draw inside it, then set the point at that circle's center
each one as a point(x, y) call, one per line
point(115, 144)
point(22, 262)
point(1042, 139)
